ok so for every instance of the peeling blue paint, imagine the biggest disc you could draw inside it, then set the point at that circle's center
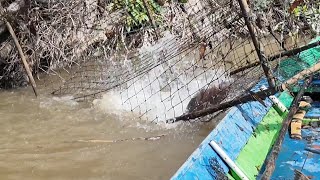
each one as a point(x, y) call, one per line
point(294, 156)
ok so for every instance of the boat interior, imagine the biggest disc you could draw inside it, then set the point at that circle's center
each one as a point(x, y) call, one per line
point(301, 157)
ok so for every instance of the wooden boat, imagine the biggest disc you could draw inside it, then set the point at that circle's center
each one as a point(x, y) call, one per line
point(239, 147)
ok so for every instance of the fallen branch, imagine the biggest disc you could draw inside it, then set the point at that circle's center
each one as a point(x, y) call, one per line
point(270, 161)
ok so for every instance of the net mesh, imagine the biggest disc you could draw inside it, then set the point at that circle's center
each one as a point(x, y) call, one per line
point(306, 59)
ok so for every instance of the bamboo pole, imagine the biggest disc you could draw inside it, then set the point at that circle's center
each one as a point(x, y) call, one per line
point(291, 52)
point(301, 75)
point(258, 46)
point(23, 58)
point(270, 161)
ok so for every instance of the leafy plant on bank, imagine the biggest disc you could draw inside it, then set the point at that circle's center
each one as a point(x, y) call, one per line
point(311, 13)
point(136, 12)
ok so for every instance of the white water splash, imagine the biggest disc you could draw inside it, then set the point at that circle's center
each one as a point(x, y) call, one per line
point(165, 91)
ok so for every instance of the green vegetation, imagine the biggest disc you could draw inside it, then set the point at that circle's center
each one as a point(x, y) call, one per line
point(310, 13)
point(137, 12)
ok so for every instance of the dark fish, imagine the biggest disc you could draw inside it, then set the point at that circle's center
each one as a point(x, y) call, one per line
point(208, 97)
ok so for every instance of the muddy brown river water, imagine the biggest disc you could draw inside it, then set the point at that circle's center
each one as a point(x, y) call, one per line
point(40, 139)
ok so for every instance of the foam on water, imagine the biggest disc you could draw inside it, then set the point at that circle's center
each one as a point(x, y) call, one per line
point(165, 91)
point(65, 100)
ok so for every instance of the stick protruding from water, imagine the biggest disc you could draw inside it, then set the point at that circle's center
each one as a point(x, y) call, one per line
point(23, 58)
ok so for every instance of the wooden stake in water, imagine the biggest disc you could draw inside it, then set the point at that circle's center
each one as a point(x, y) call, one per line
point(258, 46)
point(23, 58)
